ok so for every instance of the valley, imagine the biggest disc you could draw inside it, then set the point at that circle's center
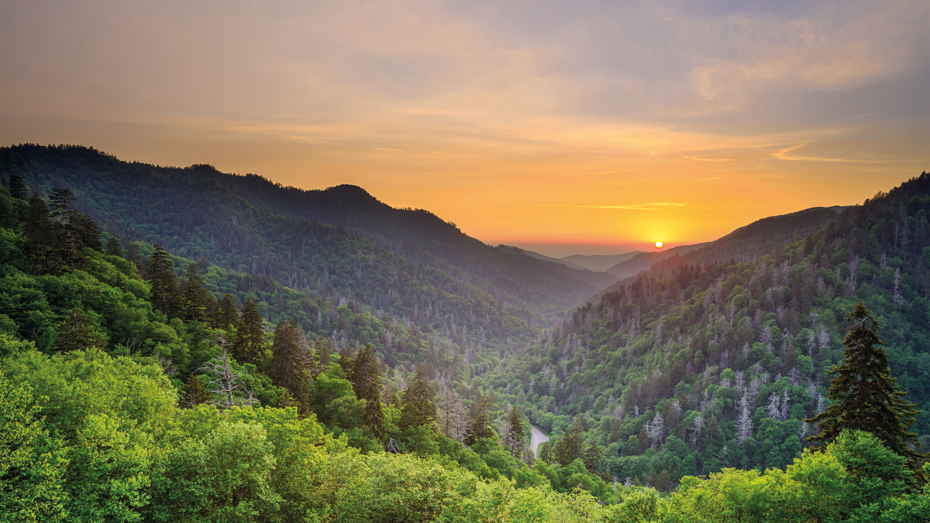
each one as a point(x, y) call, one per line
point(381, 331)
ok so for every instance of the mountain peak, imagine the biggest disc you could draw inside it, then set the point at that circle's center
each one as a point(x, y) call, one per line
point(350, 193)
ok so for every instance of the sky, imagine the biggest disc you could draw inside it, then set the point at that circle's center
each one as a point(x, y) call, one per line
point(590, 127)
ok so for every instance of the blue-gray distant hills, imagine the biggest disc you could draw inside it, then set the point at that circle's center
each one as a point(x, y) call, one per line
point(599, 262)
point(642, 261)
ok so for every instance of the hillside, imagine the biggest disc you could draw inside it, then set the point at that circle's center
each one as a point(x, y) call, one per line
point(128, 375)
point(516, 250)
point(339, 241)
point(713, 358)
point(599, 262)
point(644, 260)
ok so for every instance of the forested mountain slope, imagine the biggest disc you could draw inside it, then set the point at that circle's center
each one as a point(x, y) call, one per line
point(714, 358)
point(128, 392)
point(254, 225)
point(516, 251)
point(599, 262)
point(644, 260)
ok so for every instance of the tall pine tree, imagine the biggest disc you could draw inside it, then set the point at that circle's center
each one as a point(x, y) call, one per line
point(289, 363)
point(114, 247)
point(42, 236)
point(77, 332)
point(165, 294)
point(195, 298)
point(417, 409)
point(480, 426)
point(66, 220)
point(365, 376)
point(17, 187)
point(865, 396)
point(250, 339)
point(226, 312)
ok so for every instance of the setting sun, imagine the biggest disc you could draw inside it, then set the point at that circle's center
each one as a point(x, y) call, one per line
point(658, 244)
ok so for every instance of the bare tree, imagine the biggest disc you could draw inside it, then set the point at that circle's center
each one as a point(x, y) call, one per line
point(785, 405)
point(227, 383)
point(773, 409)
point(655, 429)
point(453, 418)
point(696, 431)
point(743, 421)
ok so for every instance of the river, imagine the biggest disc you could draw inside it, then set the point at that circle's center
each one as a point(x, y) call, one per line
point(538, 439)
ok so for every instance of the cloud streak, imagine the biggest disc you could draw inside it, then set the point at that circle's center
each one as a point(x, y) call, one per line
point(453, 106)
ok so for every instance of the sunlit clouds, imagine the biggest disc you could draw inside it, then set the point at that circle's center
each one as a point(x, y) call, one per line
point(523, 123)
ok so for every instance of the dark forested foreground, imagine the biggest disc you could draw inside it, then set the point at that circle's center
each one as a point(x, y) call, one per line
point(141, 386)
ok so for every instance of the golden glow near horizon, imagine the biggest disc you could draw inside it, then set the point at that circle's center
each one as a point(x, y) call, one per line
point(590, 126)
point(659, 244)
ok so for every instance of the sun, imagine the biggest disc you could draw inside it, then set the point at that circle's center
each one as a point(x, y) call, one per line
point(658, 244)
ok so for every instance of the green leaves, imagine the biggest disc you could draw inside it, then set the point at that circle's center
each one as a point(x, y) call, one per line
point(32, 462)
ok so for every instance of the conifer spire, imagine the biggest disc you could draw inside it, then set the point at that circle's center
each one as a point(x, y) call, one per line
point(417, 409)
point(250, 340)
point(77, 332)
point(366, 380)
point(865, 395)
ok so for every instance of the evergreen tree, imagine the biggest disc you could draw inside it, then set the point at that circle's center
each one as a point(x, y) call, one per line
point(17, 187)
point(133, 255)
point(195, 297)
point(114, 247)
point(325, 351)
point(64, 216)
point(365, 376)
point(226, 312)
point(10, 211)
point(194, 393)
point(41, 238)
point(77, 332)
point(250, 340)
point(546, 454)
point(87, 234)
point(570, 445)
point(865, 396)
point(516, 433)
point(593, 454)
point(480, 426)
point(289, 362)
point(160, 272)
point(416, 408)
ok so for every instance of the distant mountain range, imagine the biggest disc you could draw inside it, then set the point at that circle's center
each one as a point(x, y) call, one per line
point(342, 240)
point(599, 262)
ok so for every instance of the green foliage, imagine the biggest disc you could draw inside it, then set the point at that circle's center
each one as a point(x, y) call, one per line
point(417, 408)
point(76, 332)
point(194, 393)
point(865, 395)
point(725, 350)
point(366, 381)
point(250, 334)
point(31, 461)
point(289, 362)
point(165, 296)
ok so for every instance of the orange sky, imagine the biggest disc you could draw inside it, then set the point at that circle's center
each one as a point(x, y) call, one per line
point(581, 125)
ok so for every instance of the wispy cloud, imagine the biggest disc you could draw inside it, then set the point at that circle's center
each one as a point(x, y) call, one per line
point(784, 154)
point(458, 106)
point(714, 160)
point(657, 206)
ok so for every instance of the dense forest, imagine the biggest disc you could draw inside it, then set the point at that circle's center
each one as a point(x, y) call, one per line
point(357, 371)
point(715, 358)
